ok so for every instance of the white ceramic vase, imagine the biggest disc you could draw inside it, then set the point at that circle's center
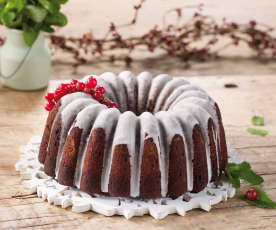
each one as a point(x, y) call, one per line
point(23, 67)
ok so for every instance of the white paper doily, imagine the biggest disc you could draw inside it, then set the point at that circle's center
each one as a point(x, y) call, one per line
point(46, 187)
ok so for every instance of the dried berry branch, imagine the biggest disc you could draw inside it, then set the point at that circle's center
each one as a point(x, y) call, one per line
point(196, 38)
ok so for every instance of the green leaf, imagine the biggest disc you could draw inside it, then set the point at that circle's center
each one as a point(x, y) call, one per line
point(16, 4)
point(262, 201)
point(260, 132)
point(35, 13)
point(58, 19)
point(47, 28)
point(233, 177)
point(29, 34)
point(8, 18)
point(261, 194)
point(52, 6)
point(235, 172)
point(62, 1)
point(251, 177)
point(258, 121)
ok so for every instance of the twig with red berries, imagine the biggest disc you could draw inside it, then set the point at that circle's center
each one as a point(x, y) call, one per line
point(88, 87)
point(196, 38)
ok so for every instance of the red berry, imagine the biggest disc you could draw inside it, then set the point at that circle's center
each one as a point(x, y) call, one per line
point(64, 86)
point(251, 194)
point(80, 86)
point(112, 105)
point(74, 81)
point(91, 83)
point(86, 90)
point(49, 106)
point(98, 95)
point(49, 96)
point(100, 89)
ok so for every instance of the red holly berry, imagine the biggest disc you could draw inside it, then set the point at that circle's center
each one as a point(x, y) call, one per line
point(251, 194)
point(91, 83)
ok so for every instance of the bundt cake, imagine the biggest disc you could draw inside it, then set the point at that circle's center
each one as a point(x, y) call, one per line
point(165, 138)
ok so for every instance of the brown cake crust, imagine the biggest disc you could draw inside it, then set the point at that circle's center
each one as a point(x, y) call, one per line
point(177, 184)
point(150, 180)
point(46, 134)
point(223, 159)
point(200, 170)
point(68, 162)
point(93, 162)
point(213, 151)
point(119, 178)
point(51, 157)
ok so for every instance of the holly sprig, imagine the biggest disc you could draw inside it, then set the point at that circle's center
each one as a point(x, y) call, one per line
point(234, 173)
point(262, 200)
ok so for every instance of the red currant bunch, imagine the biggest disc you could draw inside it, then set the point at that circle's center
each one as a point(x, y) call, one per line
point(88, 87)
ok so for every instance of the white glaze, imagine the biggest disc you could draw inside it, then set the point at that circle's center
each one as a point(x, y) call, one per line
point(67, 116)
point(144, 83)
point(84, 121)
point(126, 134)
point(156, 86)
point(119, 89)
point(166, 91)
point(150, 129)
point(131, 86)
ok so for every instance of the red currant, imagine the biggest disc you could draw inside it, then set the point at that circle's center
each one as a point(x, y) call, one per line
point(74, 81)
point(49, 96)
point(112, 105)
point(98, 95)
point(91, 83)
point(49, 106)
point(100, 89)
point(251, 194)
point(81, 86)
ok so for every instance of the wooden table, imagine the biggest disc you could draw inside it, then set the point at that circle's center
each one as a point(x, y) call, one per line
point(22, 116)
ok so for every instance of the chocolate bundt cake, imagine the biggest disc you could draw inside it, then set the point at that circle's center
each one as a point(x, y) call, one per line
point(165, 138)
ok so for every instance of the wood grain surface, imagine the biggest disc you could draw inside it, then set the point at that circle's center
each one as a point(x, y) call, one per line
point(22, 116)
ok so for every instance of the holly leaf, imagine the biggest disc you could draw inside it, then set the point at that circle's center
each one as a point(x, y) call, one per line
point(260, 132)
point(235, 172)
point(29, 34)
point(258, 121)
point(262, 201)
point(35, 13)
point(247, 174)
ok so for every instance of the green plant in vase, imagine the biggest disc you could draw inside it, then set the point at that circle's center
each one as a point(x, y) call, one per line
point(32, 16)
point(25, 57)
